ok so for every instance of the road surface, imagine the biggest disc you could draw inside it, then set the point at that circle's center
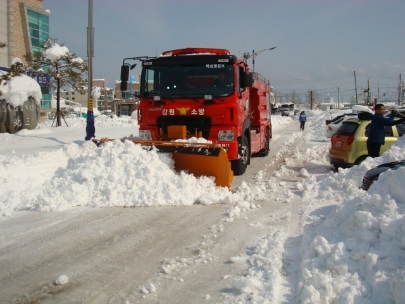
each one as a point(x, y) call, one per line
point(146, 255)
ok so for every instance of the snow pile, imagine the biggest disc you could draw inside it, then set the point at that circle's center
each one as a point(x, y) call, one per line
point(117, 174)
point(317, 124)
point(116, 121)
point(17, 90)
point(21, 178)
point(355, 250)
point(353, 246)
point(100, 121)
point(263, 281)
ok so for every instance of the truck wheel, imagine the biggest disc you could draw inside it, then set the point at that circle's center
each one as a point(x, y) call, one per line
point(265, 151)
point(239, 165)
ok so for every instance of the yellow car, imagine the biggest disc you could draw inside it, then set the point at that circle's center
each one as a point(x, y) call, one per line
point(349, 143)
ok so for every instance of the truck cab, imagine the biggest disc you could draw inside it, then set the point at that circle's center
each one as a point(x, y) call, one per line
point(206, 93)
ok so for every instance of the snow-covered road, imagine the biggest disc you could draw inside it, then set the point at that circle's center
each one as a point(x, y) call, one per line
point(186, 254)
point(165, 238)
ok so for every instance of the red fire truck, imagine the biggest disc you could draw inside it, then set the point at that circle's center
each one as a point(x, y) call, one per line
point(204, 93)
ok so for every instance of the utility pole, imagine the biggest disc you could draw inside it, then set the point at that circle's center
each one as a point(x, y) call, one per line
point(402, 94)
point(338, 99)
point(368, 91)
point(399, 89)
point(355, 87)
point(90, 128)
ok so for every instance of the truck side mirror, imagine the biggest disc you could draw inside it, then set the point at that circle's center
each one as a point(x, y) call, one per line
point(247, 79)
point(124, 77)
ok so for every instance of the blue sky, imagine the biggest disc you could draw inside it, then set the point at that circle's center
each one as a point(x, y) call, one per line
point(320, 43)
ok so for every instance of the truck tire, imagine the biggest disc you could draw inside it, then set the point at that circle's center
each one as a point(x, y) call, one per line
point(239, 165)
point(265, 151)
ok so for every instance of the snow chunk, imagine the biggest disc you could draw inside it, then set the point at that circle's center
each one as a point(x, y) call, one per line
point(56, 51)
point(61, 280)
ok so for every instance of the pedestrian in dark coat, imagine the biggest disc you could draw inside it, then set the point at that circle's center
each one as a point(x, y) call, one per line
point(302, 119)
point(376, 136)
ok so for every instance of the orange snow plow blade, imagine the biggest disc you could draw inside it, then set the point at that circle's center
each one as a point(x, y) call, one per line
point(199, 159)
point(198, 165)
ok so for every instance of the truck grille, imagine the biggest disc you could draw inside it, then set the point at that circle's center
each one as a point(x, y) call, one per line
point(201, 123)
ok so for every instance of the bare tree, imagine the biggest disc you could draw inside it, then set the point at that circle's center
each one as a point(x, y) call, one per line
point(295, 98)
point(62, 70)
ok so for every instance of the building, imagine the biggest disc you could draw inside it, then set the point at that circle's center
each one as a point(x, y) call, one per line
point(103, 103)
point(361, 99)
point(329, 100)
point(327, 104)
point(125, 102)
point(24, 27)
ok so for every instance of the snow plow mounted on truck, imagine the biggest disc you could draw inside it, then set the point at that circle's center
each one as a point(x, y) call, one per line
point(207, 94)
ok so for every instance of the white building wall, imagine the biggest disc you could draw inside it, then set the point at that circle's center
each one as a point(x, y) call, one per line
point(329, 99)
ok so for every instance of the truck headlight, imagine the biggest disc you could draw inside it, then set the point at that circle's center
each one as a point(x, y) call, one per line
point(145, 135)
point(226, 135)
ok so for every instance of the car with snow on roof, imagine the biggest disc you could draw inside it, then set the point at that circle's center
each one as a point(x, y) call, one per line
point(373, 174)
point(336, 123)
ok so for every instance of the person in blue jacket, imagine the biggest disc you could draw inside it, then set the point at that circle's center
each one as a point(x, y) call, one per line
point(302, 119)
point(376, 136)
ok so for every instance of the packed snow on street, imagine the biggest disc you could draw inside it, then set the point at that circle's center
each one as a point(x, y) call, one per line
point(116, 224)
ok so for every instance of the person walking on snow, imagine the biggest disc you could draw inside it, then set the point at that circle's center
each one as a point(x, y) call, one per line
point(302, 119)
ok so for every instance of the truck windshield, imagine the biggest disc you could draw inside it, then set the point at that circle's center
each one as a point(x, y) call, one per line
point(188, 81)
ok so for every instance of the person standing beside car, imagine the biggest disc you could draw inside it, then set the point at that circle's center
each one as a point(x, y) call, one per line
point(302, 119)
point(376, 136)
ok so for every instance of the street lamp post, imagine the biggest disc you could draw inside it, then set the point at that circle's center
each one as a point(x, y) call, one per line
point(90, 128)
point(254, 54)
